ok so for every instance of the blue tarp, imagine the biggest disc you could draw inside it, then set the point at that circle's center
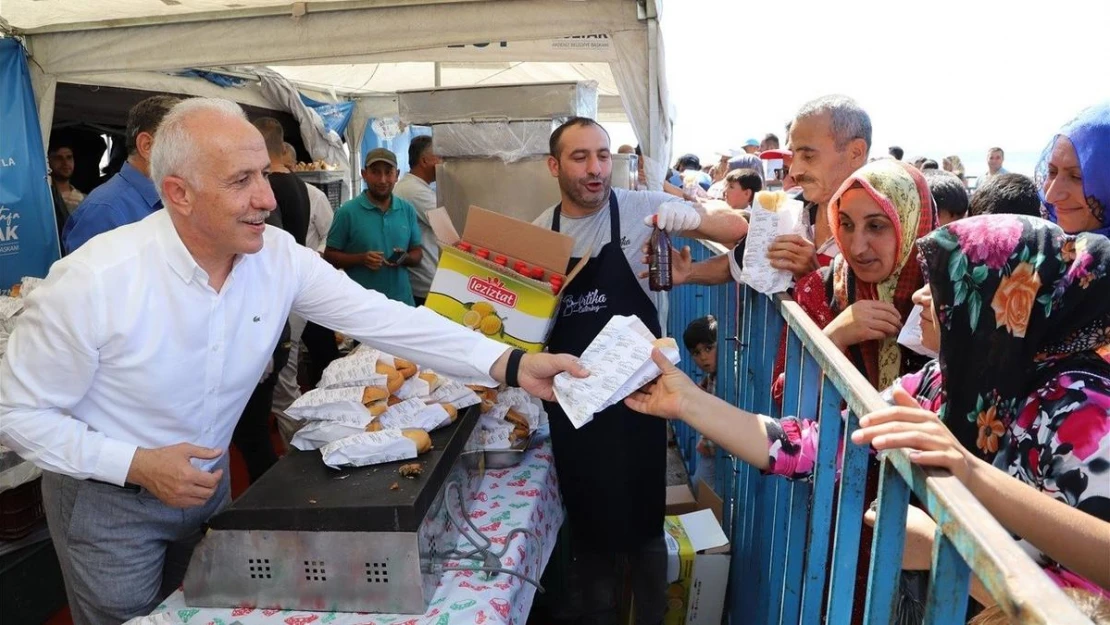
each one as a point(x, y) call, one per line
point(386, 133)
point(28, 232)
point(336, 115)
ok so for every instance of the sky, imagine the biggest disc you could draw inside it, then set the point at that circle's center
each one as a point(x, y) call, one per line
point(937, 77)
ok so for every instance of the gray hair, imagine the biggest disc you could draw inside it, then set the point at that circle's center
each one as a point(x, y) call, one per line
point(848, 119)
point(175, 149)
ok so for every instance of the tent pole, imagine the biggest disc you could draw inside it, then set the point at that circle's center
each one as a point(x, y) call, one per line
point(438, 74)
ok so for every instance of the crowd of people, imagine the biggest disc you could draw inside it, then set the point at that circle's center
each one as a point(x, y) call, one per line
point(1016, 399)
point(220, 305)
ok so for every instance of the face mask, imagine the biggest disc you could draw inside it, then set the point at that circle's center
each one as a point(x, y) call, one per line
point(910, 336)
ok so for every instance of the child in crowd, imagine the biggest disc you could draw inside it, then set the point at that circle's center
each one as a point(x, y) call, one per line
point(700, 339)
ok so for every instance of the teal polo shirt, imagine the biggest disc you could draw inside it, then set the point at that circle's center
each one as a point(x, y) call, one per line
point(361, 227)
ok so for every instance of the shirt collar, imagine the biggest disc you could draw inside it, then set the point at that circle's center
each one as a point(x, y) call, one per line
point(142, 184)
point(364, 201)
point(177, 256)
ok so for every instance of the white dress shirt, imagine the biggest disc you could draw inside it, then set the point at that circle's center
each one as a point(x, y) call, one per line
point(416, 191)
point(320, 216)
point(126, 345)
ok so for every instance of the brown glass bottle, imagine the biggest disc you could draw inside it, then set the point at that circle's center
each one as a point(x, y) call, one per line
point(659, 260)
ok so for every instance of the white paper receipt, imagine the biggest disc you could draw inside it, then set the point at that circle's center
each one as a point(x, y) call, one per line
point(368, 448)
point(619, 362)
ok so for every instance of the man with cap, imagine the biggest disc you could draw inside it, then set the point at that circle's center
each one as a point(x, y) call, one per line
point(751, 146)
point(375, 236)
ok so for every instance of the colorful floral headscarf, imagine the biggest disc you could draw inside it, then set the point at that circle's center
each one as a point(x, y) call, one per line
point(902, 193)
point(1090, 134)
point(1019, 302)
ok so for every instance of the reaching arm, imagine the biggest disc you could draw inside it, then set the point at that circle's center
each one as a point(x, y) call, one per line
point(344, 260)
point(721, 223)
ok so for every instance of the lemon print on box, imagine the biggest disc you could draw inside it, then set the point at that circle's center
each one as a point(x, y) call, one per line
point(481, 316)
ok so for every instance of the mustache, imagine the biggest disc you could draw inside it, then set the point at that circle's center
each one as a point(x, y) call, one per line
point(803, 179)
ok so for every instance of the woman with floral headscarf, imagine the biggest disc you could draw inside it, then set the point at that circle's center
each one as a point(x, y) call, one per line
point(1074, 173)
point(1021, 390)
point(864, 297)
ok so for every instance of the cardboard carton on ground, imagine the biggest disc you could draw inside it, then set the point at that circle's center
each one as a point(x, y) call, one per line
point(494, 300)
point(698, 557)
point(697, 563)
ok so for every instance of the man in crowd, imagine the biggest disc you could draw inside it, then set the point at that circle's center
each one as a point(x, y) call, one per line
point(829, 138)
point(290, 191)
point(949, 193)
point(1012, 194)
point(375, 236)
point(618, 518)
point(416, 188)
point(688, 169)
point(751, 146)
point(60, 158)
point(743, 184)
point(995, 158)
point(129, 195)
point(320, 212)
point(132, 425)
point(896, 152)
point(770, 142)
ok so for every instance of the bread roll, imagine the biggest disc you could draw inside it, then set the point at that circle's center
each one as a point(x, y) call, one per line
point(393, 400)
point(452, 412)
point(374, 426)
point(517, 419)
point(377, 408)
point(406, 368)
point(770, 200)
point(373, 394)
point(420, 437)
point(665, 343)
point(394, 379)
point(16, 288)
point(431, 378)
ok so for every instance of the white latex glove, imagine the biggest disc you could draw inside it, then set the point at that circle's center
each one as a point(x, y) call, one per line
point(675, 217)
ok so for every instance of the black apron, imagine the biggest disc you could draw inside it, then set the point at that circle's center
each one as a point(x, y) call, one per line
point(612, 471)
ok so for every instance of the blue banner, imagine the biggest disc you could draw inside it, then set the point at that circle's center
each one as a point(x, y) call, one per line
point(389, 133)
point(336, 116)
point(28, 234)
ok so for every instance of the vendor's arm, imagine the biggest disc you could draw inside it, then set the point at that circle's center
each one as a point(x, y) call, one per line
point(331, 299)
point(712, 220)
point(50, 364)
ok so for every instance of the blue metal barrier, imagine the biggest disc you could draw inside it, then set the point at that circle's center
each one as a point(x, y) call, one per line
point(783, 570)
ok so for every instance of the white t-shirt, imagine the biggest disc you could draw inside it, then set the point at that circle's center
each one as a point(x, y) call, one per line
point(592, 232)
point(320, 215)
point(423, 198)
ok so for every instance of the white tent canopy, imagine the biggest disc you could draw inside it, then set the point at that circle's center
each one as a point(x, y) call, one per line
point(363, 50)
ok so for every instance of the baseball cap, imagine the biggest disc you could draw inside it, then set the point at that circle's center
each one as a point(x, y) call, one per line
point(752, 143)
point(380, 155)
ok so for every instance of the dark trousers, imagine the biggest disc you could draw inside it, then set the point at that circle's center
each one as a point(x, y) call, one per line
point(322, 350)
point(252, 433)
point(600, 578)
point(419, 301)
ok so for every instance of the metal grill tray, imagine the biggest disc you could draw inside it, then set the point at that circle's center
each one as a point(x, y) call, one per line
point(300, 493)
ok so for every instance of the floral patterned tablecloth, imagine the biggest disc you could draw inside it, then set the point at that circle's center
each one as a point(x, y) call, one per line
point(524, 496)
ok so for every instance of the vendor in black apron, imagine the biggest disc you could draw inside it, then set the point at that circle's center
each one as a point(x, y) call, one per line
point(612, 471)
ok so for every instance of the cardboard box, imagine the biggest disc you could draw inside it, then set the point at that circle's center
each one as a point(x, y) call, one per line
point(698, 558)
point(494, 300)
point(680, 500)
point(697, 569)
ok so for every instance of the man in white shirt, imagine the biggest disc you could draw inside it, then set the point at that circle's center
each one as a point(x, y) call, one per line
point(416, 187)
point(132, 362)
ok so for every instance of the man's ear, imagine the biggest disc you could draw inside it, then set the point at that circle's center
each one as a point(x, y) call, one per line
point(857, 151)
point(144, 144)
point(176, 192)
point(553, 166)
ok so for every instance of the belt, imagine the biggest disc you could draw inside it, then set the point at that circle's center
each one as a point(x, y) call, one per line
point(129, 487)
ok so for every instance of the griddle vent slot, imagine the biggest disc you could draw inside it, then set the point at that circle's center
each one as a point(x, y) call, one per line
point(314, 571)
point(259, 568)
point(377, 572)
